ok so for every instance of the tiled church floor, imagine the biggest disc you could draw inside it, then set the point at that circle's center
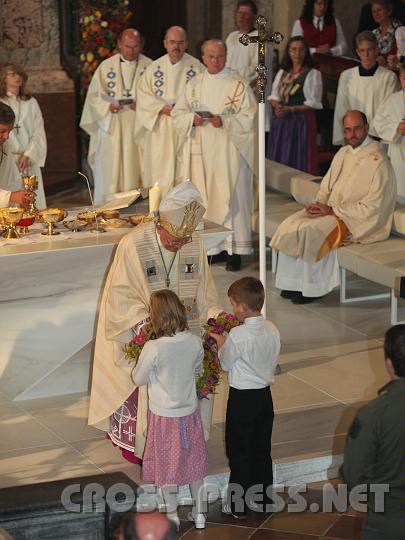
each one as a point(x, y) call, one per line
point(331, 361)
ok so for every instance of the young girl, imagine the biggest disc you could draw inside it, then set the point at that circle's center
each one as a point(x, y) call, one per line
point(27, 141)
point(175, 452)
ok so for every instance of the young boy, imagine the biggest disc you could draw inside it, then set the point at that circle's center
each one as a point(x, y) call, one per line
point(249, 355)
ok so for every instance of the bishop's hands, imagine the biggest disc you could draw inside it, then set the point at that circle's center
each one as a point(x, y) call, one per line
point(198, 120)
point(216, 121)
point(115, 108)
point(318, 209)
point(218, 338)
point(23, 162)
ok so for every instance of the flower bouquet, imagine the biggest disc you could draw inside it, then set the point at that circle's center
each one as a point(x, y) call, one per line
point(210, 377)
point(134, 348)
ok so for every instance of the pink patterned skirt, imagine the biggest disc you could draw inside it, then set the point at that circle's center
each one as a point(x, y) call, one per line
point(175, 452)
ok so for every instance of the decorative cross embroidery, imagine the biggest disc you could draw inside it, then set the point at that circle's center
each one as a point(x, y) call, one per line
point(190, 73)
point(231, 105)
point(111, 74)
point(152, 271)
point(129, 432)
point(189, 268)
point(190, 305)
point(159, 82)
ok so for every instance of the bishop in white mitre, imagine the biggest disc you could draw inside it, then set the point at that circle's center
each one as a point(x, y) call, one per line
point(158, 92)
point(363, 88)
point(114, 156)
point(389, 124)
point(215, 120)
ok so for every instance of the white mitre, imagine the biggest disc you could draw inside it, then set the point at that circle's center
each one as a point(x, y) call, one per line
point(400, 38)
point(181, 210)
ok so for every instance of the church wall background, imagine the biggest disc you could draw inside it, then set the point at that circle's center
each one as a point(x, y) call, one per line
point(29, 35)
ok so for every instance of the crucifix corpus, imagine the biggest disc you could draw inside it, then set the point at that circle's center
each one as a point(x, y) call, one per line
point(261, 39)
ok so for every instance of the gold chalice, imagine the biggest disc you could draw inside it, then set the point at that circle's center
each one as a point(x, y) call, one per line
point(51, 216)
point(10, 217)
point(26, 221)
point(31, 184)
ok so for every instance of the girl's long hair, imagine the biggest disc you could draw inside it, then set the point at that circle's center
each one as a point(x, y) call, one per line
point(4, 69)
point(167, 313)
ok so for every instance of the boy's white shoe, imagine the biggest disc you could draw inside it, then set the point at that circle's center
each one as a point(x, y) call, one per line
point(199, 519)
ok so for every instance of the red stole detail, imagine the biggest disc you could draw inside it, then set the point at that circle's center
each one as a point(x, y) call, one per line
point(315, 38)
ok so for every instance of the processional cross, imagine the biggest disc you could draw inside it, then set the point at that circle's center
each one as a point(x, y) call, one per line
point(261, 39)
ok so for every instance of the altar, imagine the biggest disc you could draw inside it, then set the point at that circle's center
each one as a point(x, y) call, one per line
point(49, 295)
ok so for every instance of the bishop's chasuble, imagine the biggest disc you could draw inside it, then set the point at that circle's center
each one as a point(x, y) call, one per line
point(114, 156)
point(137, 271)
point(162, 84)
point(219, 161)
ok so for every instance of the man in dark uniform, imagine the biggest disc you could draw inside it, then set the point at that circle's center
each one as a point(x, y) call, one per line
point(375, 447)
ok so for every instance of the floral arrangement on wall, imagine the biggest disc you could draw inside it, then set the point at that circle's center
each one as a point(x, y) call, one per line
point(100, 23)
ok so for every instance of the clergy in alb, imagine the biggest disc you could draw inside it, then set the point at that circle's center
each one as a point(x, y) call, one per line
point(389, 124)
point(7, 164)
point(27, 141)
point(158, 92)
point(114, 156)
point(363, 88)
point(150, 258)
point(216, 117)
point(355, 203)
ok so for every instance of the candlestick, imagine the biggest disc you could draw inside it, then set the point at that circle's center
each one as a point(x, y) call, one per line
point(155, 196)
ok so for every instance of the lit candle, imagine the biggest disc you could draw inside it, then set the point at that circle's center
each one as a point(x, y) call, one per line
point(155, 196)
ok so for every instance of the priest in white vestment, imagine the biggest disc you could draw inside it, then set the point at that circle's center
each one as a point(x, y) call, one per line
point(8, 193)
point(26, 144)
point(355, 203)
point(219, 149)
point(150, 258)
point(109, 116)
point(363, 88)
point(389, 124)
point(158, 92)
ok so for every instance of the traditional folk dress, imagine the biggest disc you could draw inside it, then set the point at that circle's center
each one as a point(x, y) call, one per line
point(162, 84)
point(318, 33)
point(292, 139)
point(385, 124)
point(114, 156)
point(138, 269)
point(27, 137)
point(224, 181)
point(387, 44)
point(362, 90)
point(360, 187)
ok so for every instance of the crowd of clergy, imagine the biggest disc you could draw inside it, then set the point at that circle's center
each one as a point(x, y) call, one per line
point(177, 118)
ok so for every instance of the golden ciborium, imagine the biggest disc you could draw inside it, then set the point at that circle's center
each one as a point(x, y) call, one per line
point(51, 216)
point(11, 216)
point(31, 184)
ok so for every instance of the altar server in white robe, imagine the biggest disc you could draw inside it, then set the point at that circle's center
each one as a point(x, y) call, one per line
point(7, 164)
point(151, 257)
point(219, 150)
point(114, 156)
point(389, 124)
point(363, 88)
point(355, 203)
point(27, 141)
point(158, 92)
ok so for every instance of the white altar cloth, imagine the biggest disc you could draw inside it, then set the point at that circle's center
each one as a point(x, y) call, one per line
point(49, 295)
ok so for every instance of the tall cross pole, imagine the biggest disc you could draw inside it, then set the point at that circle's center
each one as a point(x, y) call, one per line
point(262, 38)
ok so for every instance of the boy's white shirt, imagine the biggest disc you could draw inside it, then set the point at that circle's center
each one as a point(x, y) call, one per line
point(250, 354)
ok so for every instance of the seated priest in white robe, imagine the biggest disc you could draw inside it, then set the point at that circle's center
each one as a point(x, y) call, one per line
point(170, 255)
point(109, 115)
point(389, 124)
point(27, 141)
point(355, 203)
point(9, 194)
point(363, 88)
point(219, 148)
point(158, 92)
